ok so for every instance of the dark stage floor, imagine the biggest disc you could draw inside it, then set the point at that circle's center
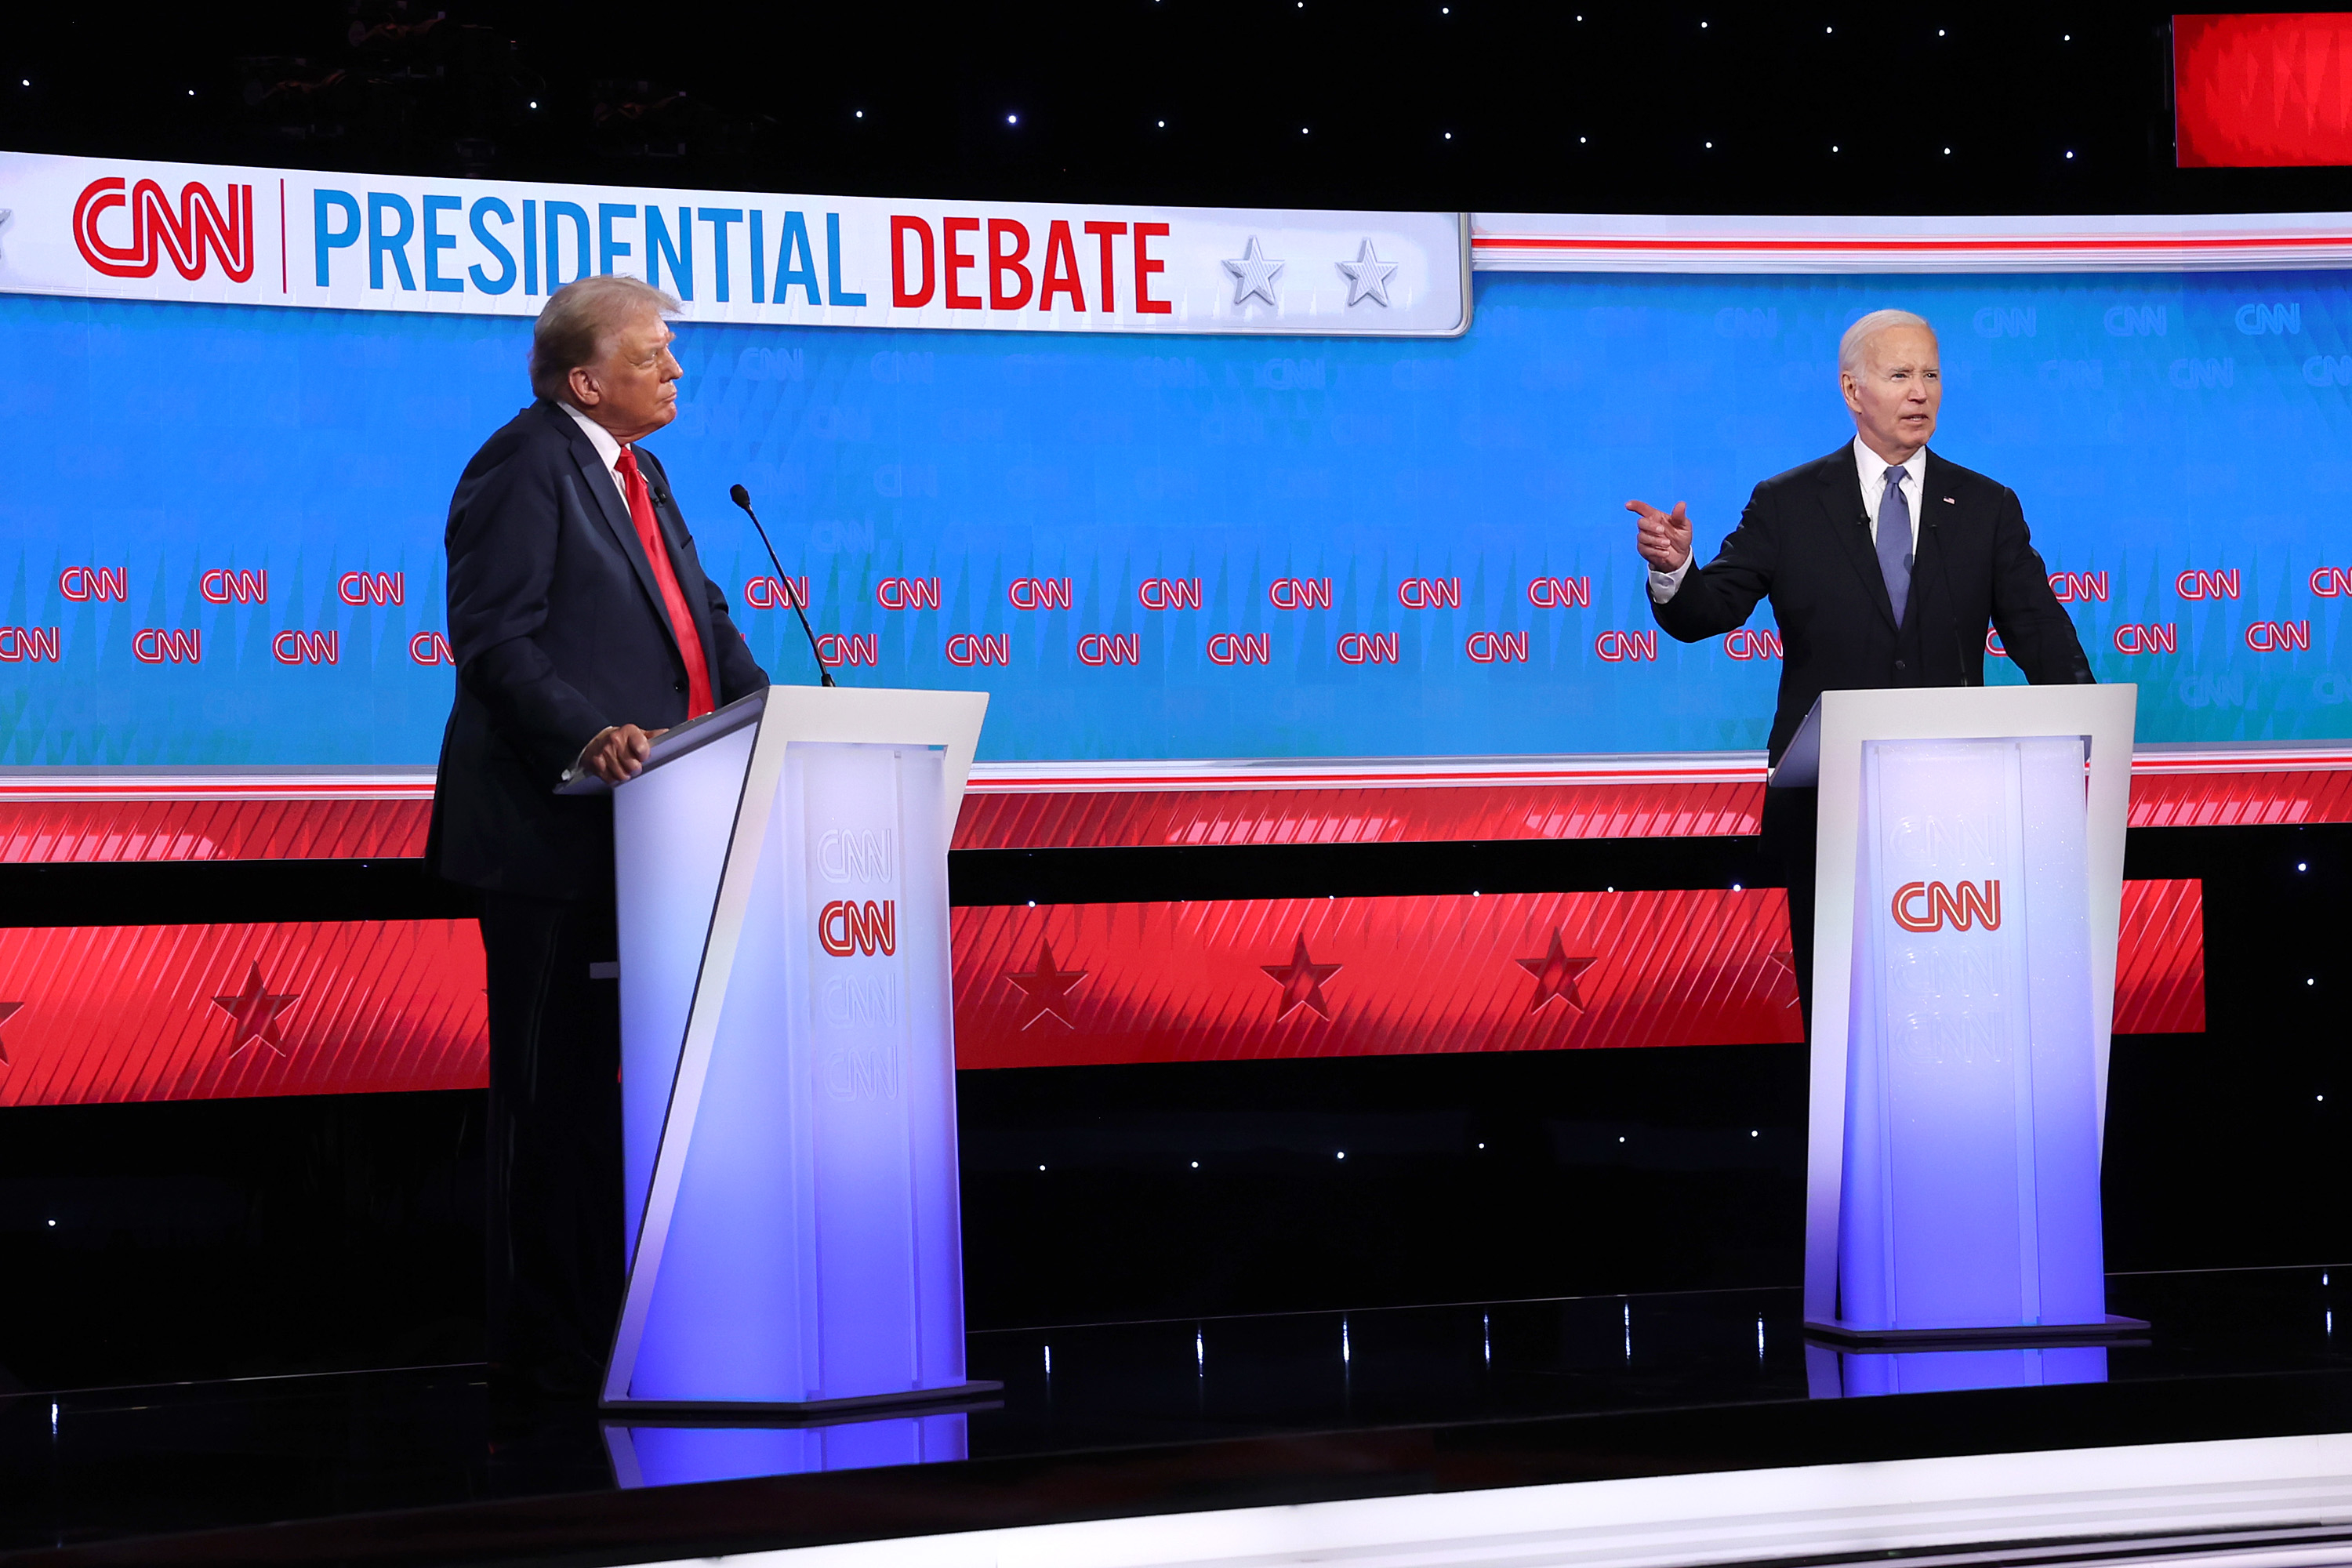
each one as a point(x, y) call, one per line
point(1138, 1417)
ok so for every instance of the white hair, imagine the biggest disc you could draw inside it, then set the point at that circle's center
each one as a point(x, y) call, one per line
point(1856, 342)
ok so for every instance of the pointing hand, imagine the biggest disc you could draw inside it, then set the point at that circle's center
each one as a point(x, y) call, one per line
point(1663, 538)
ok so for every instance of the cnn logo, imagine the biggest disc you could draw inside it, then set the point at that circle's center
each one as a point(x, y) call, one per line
point(847, 928)
point(1931, 905)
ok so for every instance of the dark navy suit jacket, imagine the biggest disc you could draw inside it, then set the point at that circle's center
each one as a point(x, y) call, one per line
point(1804, 543)
point(558, 631)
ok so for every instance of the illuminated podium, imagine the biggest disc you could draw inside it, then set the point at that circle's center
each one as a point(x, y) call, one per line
point(1969, 884)
point(788, 1057)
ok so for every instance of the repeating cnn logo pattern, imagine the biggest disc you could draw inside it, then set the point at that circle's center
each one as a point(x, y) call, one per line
point(200, 226)
point(1929, 906)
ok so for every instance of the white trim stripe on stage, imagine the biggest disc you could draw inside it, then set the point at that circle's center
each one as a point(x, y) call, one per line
point(2281, 1502)
point(1615, 242)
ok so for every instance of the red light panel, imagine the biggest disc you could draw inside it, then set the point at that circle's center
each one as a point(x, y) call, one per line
point(2263, 91)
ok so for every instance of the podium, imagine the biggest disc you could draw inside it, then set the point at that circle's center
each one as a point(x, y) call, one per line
point(788, 1058)
point(1970, 871)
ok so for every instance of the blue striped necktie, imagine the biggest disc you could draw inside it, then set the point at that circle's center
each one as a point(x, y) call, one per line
point(1894, 543)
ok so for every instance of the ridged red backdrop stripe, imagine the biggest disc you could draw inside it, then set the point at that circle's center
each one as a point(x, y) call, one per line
point(2160, 959)
point(122, 1013)
point(2240, 800)
point(1040, 820)
point(62, 830)
point(1189, 981)
point(118, 1013)
point(98, 830)
point(1021, 820)
point(2263, 91)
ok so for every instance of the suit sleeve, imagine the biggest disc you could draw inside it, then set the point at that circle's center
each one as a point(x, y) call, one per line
point(2034, 626)
point(1722, 594)
point(503, 524)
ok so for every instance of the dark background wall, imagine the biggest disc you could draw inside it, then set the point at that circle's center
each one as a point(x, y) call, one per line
point(251, 1237)
point(1446, 104)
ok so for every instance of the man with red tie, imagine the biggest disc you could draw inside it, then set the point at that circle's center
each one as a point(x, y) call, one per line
point(583, 627)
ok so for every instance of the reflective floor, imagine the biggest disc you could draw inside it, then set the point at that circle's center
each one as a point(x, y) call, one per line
point(89, 1466)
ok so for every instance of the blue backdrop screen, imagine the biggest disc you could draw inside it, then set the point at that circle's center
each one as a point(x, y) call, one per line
point(1172, 548)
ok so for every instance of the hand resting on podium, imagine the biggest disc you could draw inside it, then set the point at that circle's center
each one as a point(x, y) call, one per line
point(617, 753)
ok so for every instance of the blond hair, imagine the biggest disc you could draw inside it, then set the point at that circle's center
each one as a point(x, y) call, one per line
point(580, 319)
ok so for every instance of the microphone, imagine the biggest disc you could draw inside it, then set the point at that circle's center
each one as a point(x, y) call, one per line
point(742, 498)
point(1959, 644)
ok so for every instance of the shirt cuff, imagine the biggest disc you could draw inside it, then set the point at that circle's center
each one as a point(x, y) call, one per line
point(579, 763)
point(1663, 585)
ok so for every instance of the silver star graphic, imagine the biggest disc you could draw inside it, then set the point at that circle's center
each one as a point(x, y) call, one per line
point(1368, 276)
point(1254, 273)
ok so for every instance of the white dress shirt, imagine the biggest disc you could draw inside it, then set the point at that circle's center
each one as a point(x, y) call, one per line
point(1872, 469)
point(610, 449)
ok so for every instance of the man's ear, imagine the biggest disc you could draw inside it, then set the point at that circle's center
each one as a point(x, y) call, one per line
point(585, 392)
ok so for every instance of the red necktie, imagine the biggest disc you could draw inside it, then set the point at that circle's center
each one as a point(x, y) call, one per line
point(681, 623)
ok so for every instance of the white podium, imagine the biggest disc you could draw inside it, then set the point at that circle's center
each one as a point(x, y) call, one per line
point(788, 1057)
point(1969, 885)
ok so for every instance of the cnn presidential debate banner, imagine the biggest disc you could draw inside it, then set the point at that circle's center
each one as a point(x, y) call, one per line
point(1167, 483)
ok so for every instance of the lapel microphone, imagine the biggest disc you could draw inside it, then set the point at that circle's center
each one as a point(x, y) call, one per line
point(742, 498)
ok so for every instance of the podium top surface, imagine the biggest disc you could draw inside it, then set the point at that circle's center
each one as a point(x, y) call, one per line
point(1953, 712)
point(888, 714)
point(682, 740)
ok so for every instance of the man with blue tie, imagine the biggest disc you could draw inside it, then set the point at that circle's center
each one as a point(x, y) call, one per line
point(1885, 564)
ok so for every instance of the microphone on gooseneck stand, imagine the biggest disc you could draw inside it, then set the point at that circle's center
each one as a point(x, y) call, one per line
point(742, 498)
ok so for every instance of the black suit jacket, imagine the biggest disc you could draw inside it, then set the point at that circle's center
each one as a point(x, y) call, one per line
point(1804, 543)
point(558, 631)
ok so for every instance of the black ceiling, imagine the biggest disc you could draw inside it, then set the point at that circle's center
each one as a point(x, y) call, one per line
point(1432, 104)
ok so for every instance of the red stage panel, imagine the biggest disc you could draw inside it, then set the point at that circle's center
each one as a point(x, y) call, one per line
point(55, 830)
point(1233, 979)
point(113, 1013)
point(2240, 800)
point(1025, 820)
point(197, 819)
point(1080, 818)
point(200, 1012)
point(2263, 91)
point(2160, 959)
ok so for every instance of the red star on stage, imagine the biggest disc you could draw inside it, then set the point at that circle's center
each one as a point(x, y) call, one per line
point(255, 1012)
point(1788, 961)
point(1302, 981)
point(1556, 975)
point(8, 1011)
point(1046, 989)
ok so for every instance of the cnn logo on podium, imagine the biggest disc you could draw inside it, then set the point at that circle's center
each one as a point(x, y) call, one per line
point(1930, 906)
